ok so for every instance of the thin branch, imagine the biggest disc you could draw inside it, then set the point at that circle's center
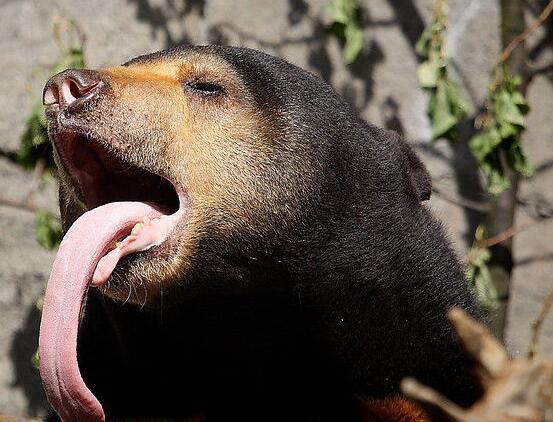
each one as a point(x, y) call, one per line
point(506, 234)
point(24, 206)
point(538, 323)
point(514, 230)
point(500, 237)
point(461, 201)
point(521, 37)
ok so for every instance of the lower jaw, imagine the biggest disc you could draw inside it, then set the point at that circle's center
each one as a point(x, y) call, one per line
point(127, 285)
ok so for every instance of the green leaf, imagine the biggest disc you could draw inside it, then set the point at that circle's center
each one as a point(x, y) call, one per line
point(346, 25)
point(518, 99)
point(443, 123)
point(428, 73)
point(507, 110)
point(485, 291)
point(48, 229)
point(424, 43)
point(446, 106)
point(479, 276)
point(459, 106)
point(504, 125)
point(507, 130)
point(497, 182)
point(484, 143)
point(353, 43)
point(523, 108)
point(35, 360)
point(341, 10)
point(442, 118)
point(518, 161)
point(512, 82)
point(34, 143)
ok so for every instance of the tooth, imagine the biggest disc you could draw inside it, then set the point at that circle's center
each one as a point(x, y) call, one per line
point(117, 244)
point(137, 228)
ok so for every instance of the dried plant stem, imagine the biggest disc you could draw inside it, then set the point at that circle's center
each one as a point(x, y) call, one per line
point(538, 323)
point(506, 234)
point(24, 206)
point(521, 37)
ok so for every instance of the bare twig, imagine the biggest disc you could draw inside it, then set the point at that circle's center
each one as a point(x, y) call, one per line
point(461, 201)
point(24, 206)
point(507, 234)
point(498, 238)
point(537, 324)
point(521, 37)
point(511, 231)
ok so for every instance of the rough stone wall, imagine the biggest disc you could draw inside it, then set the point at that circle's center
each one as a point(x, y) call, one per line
point(382, 85)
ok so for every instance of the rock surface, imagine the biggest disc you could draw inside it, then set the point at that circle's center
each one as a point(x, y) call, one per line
point(382, 84)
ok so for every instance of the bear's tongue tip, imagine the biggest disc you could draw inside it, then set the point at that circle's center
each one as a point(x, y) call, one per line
point(82, 257)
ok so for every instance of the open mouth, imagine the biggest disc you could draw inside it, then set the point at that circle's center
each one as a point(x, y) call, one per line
point(102, 179)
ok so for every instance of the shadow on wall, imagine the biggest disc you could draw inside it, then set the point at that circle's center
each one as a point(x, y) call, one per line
point(159, 17)
point(23, 347)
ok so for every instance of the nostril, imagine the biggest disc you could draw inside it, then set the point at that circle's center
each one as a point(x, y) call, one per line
point(71, 85)
point(70, 91)
point(51, 96)
point(74, 89)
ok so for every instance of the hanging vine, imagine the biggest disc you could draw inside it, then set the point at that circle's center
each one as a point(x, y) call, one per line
point(446, 107)
point(478, 274)
point(498, 146)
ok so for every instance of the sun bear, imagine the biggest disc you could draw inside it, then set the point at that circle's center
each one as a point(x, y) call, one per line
point(239, 245)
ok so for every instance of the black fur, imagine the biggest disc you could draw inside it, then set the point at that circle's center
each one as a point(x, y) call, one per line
point(342, 303)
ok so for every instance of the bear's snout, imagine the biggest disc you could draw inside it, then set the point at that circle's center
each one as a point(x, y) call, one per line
point(72, 87)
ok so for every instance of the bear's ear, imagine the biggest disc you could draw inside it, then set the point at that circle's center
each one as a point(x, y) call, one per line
point(418, 176)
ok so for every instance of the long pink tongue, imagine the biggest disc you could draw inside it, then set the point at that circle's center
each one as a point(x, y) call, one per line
point(86, 242)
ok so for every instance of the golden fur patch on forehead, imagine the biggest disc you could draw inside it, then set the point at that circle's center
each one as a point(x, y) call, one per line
point(192, 66)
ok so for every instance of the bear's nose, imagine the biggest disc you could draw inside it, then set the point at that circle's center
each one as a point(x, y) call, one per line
point(71, 85)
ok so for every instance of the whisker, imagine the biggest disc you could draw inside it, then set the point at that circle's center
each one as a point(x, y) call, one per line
point(145, 295)
point(133, 285)
point(129, 296)
point(161, 302)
